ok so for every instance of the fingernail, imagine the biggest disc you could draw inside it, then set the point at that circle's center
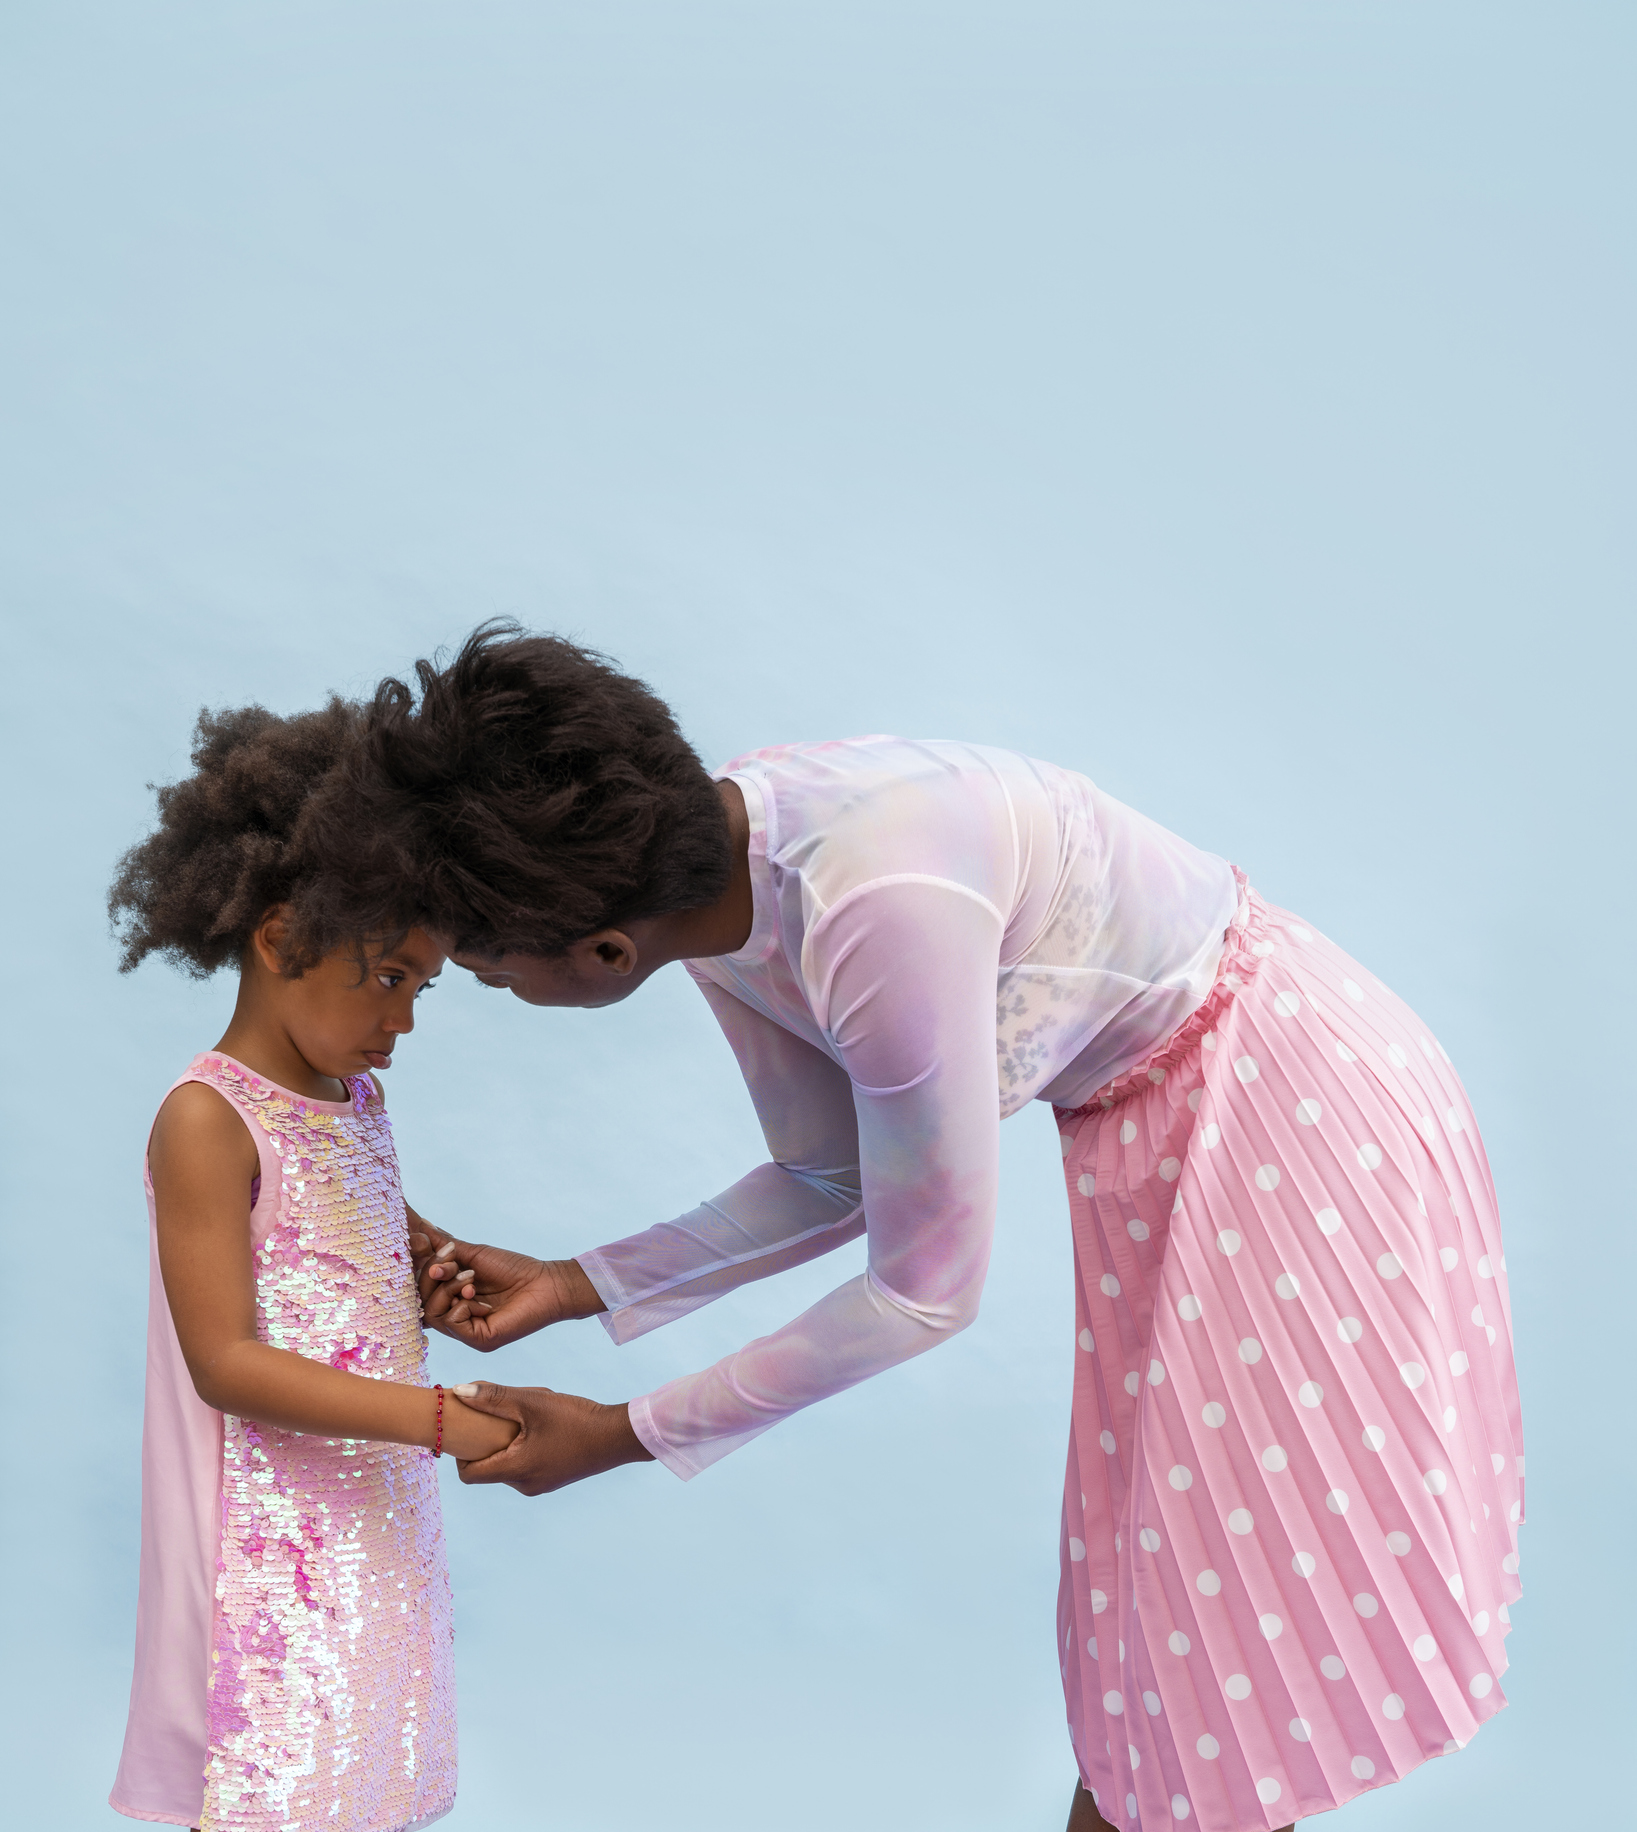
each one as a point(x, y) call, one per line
point(468, 1273)
point(446, 1249)
point(466, 1390)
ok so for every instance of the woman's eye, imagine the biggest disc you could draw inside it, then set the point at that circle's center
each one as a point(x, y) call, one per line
point(389, 980)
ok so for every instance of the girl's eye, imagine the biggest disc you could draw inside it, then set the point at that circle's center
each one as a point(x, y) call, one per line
point(428, 987)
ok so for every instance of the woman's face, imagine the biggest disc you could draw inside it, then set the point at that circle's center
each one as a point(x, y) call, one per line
point(601, 969)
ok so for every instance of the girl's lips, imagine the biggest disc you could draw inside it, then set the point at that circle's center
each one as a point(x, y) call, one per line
point(378, 1059)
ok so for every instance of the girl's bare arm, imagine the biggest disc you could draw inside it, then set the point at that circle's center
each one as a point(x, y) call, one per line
point(202, 1159)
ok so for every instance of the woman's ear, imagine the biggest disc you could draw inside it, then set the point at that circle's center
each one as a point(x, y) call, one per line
point(612, 950)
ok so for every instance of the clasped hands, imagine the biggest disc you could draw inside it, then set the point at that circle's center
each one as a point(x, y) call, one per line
point(487, 1297)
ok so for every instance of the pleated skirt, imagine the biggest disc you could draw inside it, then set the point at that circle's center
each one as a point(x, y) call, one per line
point(1295, 1472)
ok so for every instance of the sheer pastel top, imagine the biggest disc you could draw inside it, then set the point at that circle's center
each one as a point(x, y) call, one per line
point(941, 932)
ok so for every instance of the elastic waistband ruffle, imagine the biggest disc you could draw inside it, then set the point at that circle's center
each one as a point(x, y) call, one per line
point(1242, 957)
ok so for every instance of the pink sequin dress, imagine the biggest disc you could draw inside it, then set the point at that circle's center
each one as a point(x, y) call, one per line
point(294, 1658)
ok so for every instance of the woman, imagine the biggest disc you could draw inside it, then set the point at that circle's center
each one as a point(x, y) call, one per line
point(1294, 1483)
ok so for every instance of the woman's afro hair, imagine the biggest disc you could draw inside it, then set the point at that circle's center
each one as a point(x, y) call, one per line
point(229, 844)
point(531, 795)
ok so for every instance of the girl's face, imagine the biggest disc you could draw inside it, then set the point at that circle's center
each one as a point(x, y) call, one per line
point(344, 1021)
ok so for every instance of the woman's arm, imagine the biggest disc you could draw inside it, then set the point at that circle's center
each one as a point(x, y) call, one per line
point(202, 1159)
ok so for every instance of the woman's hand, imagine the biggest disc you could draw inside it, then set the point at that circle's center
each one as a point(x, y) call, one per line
point(562, 1439)
point(486, 1296)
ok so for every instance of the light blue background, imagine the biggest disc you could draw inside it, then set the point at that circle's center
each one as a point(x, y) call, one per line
point(1230, 401)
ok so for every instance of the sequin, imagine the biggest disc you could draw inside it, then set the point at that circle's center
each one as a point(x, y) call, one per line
point(332, 1698)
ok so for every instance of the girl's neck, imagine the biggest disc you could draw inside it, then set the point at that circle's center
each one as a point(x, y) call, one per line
point(261, 1043)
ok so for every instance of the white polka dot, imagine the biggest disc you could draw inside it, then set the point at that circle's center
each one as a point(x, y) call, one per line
point(1240, 1521)
point(1457, 1586)
point(1458, 1363)
point(1208, 1747)
point(1515, 1512)
point(1480, 1622)
point(1091, 1647)
point(1228, 1242)
point(1133, 1383)
point(1194, 1099)
point(1485, 1270)
point(1086, 1184)
point(1496, 1461)
point(1066, 1140)
point(1287, 1004)
point(1365, 1604)
point(1338, 1501)
point(1170, 1169)
point(1449, 1418)
point(1345, 1053)
point(1210, 1040)
point(1480, 1685)
point(1263, 949)
point(1489, 1331)
point(1296, 929)
point(1099, 1602)
point(1509, 1564)
point(1453, 1119)
point(1077, 1550)
point(1088, 1342)
point(1424, 1647)
point(1274, 1458)
point(1108, 1285)
point(1448, 1258)
point(1392, 1707)
point(1128, 1132)
point(1267, 1176)
point(1156, 1373)
point(1478, 1318)
point(1268, 1790)
point(1272, 1628)
point(1236, 1685)
point(1304, 1564)
point(1333, 1667)
point(1214, 1414)
point(1211, 1137)
point(1425, 1126)
point(1245, 1068)
point(1369, 1156)
point(1288, 1285)
point(1131, 1799)
point(1106, 1439)
point(1309, 1112)
point(1179, 1642)
point(1250, 1350)
point(1349, 1329)
point(1179, 1806)
point(1436, 1481)
point(1412, 1373)
point(1353, 990)
point(1389, 1265)
point(1207, 1583)
point(1138, 1230)
point(1329, 1221)
point(1398, 1544)
point(1374, 1438)
point(1363, 1767)
point(1189, 1308)
point(1399, 1054)
point(1113, 1704)
point(1149, 1540)
point(1301, 1730)
point(1181, 1476)
point(1310, 1393)
point(1151, 1703)
point(1156, 1075)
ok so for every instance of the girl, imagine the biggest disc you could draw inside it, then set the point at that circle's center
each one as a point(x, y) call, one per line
point(293, 1657)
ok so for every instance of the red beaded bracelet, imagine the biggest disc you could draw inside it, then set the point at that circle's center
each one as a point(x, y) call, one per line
point(437, 1448)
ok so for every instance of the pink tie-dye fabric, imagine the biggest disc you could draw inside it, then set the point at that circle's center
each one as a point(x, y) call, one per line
point(1295, 1471)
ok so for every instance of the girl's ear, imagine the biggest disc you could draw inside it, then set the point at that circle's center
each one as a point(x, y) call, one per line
point(268, 937)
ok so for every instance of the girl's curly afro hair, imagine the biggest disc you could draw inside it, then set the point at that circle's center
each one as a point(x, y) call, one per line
point(530, 796)
point(229, 844)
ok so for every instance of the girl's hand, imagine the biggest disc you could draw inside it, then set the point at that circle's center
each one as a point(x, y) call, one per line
point(562, 1439)
point(469, 1434)
point(486, 1296)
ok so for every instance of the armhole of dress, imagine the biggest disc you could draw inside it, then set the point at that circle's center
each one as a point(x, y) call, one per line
point(269, 1172)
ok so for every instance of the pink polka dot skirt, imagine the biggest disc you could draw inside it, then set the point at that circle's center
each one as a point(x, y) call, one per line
point(1295, 1471)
